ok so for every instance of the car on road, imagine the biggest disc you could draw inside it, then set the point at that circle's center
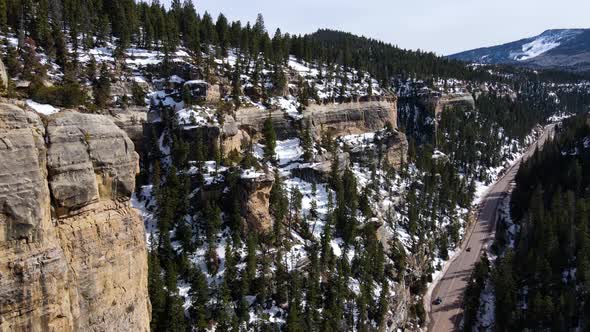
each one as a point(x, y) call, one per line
point(468, 249)
point(437, 301)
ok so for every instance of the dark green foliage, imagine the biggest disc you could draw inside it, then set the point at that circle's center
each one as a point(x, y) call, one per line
point(550, 204)
point(270, 139)
point(102, 87)
point(475, 286)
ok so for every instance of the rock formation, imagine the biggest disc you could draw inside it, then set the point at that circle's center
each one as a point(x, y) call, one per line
point(340, 119)
point(392, 147)
point(73, 250)
point(353, 117)
point(255, 196)
point(253, 119)
point(132, 120)
point(437, 103)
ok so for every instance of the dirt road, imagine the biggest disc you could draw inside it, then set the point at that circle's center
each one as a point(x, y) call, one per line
point(451, 287)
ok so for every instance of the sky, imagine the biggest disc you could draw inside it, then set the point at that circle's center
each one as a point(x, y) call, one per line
point(442, 26)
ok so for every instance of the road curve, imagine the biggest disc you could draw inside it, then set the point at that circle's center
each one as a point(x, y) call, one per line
point(451, 287)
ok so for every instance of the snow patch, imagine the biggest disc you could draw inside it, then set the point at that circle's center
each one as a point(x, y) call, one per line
point(44, 109)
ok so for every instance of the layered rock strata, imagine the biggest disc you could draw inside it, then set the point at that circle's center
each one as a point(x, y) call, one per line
point(73, 250)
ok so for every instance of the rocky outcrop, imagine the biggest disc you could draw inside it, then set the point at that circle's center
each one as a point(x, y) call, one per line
point(73, 254)
point(320, 170)
point(255, 205)
point(232, 137)
point(253, 118)
point(352, 118)
point(388, 146)
point(339, 119)
point(213, 93)
point(3, 76)
point(133, 121)
point(453, 101)
point(396, 146)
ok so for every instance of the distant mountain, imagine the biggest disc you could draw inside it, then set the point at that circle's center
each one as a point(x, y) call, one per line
point(566, 49)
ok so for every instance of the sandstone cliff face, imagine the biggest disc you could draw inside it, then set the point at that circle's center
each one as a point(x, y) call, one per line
point(132, 120)
point(340, 119)
point(255, 202)
point(454, 101)
point(253, 119)
point(352, 118)
point(73, 251)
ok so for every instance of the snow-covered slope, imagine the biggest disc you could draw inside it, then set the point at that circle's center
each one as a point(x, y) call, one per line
point(559, 48)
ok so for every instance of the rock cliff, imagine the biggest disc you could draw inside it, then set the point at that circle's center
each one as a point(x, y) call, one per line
point(352, 118)
point(453, 101)
point(340, 119)
point(73, 253)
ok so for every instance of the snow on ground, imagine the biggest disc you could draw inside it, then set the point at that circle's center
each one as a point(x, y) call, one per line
point(536, 48)
point(44, 109)
point(289, 105)
point(145, 203)
point(196, 116)
point(358, 141)
point(559, 117)
point(252, 174)
point(301, 68)
point(486, 312)
point(288, 151)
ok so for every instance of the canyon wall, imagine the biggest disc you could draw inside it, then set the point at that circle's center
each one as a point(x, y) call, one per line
point(73, 253)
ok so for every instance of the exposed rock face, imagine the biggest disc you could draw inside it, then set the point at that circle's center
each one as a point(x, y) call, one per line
point(24, 196)
point(255, 202)
point(232, 137)
point(454, 101)
point(352, 118)
point(320, 169)
point(72, 249)
point(340, 119)
point(392, 147)
point(132, 121)
point(253, 119)
point(213, 93)
point(396, 149)
point(3, 75)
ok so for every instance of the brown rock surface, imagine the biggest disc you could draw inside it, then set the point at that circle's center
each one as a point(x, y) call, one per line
point(84, 267)
point(352, 118)
point(255, 202)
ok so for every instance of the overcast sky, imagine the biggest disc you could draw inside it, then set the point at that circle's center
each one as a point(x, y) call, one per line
point(442, 26)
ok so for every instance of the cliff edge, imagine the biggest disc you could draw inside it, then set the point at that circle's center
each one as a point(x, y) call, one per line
point(73, 254)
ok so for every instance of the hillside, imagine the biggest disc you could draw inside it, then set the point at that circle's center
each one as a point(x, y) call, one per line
point(563, 49)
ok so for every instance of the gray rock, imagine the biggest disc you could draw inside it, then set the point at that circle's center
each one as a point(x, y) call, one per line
point(89, 158)
point(351, 118)
point(22, 173)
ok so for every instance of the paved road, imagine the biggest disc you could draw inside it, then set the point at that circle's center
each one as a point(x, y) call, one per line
point(451, 287)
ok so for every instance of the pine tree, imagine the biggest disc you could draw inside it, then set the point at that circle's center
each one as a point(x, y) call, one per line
point(155, 287)
point(307, 142)
point(294, 321)
point(250, 270)
point(102, 87)
point(270, 139)
point(236, 87)
point(3, 16)
point(199, 293)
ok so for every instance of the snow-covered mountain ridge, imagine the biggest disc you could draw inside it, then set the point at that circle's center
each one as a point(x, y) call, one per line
point(567, 49)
